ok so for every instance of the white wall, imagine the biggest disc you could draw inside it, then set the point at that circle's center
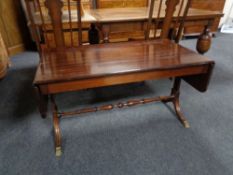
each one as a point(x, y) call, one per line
point(227, 11)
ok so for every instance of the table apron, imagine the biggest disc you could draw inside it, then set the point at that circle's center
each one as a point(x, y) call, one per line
point(60, 87)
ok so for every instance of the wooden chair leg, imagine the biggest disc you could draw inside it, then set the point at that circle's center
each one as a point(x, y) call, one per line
point(176, 102)
point(57, 135)
point(56, 127)
point(42, 101)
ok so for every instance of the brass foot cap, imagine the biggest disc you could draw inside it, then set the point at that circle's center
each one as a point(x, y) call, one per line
point(186, 124)
point(58, 151)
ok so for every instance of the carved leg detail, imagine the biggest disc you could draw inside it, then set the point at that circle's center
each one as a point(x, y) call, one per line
point(179, 113)
point(57, 135)
point(176, 93)
point(57, 130)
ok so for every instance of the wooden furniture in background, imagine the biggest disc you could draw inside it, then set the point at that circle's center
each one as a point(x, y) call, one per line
point(121, 3)
point(212, 5)
point(122, 23)
point(17, 37)
point(13, 26)
point(62, 69)
point(113, 22)
point(4, 59)
point(47, 37)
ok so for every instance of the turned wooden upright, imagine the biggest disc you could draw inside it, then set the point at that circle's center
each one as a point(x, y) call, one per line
point(64, 69)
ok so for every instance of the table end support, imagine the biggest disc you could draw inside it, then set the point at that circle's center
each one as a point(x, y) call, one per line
point(56, 127)
point(176, 102)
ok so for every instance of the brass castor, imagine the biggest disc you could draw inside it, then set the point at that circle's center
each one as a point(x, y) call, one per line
point(186, 124)
point(58, 151)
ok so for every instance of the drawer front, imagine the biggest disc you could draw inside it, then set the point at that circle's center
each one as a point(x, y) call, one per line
point(216, 5)
point(120, 3)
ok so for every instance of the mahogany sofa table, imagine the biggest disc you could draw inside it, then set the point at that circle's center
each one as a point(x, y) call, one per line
point(118, 63)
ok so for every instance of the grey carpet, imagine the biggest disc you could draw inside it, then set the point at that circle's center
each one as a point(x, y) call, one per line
point(143, 140)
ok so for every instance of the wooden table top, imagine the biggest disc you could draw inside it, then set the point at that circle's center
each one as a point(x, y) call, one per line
point(114, 58)
point(107, 15)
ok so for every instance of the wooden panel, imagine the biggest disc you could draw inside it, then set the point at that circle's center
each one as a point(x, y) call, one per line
point(3, 58)
point(13, 26)
point(121, 3)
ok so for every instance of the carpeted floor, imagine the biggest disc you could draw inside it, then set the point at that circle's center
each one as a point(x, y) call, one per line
point(143, 140)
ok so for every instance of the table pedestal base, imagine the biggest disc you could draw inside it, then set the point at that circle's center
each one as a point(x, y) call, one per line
point(174, 98)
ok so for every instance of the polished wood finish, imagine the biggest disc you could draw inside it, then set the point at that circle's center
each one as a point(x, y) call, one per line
point(87, 62)
point(64, 69)
point(120, 105)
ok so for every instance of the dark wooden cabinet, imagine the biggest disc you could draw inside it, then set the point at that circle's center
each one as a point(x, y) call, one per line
point(213, 5)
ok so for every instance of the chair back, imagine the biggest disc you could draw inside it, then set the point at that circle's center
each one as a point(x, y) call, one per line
point(58, 23)
point(55, 23)
point(166, 18)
